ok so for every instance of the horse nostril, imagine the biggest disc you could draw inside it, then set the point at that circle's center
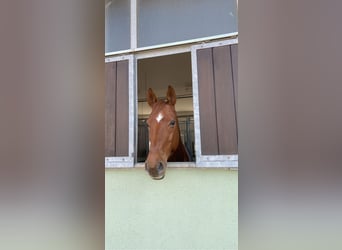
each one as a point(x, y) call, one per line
point(160, 166)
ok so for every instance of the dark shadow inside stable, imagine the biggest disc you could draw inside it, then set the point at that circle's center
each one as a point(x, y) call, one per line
point(157, 73)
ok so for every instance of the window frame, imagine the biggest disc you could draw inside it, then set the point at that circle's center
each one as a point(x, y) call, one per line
point(125, 161)
point(150, 53)
point(217, 161)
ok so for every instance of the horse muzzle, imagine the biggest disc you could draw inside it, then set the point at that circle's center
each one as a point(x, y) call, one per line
point(157, 171)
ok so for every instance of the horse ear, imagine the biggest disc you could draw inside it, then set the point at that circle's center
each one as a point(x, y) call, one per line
point(171, 95)
point(151, 97)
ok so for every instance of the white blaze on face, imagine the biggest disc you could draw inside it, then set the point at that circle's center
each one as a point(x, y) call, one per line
point(159, 117)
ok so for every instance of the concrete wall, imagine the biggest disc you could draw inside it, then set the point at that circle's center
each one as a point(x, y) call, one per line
point(189, 209)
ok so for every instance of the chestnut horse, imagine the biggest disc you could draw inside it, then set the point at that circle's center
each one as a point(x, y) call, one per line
point(165, 142)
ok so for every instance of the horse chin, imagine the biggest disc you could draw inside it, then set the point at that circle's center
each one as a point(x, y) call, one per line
point(157, 172)
point(158, 177)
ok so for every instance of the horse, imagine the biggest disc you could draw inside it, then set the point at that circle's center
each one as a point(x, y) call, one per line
point(165, 144)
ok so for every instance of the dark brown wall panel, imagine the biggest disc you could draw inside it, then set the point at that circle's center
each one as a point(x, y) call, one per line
point(225, 107)
point(110, 71)
point(217, 84)
point(207, 102)
point(116, 111)
point(122, 100)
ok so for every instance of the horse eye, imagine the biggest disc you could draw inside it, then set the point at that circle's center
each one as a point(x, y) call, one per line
point(172, 123)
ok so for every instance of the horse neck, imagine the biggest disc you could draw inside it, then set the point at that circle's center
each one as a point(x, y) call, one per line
point(180, 154)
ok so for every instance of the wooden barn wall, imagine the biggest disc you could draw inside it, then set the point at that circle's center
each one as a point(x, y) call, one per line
point(116, 110)
point(217, 99)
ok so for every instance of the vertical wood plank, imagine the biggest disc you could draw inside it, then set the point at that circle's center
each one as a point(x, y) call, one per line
point(225, 107)
point(207, 108)
point(110, 88)
point(234, 58)
point(122, 101)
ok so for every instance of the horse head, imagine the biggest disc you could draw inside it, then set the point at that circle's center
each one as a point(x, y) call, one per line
point(164, 134)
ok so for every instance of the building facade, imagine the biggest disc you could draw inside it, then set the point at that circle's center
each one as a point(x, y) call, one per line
point(191, 45)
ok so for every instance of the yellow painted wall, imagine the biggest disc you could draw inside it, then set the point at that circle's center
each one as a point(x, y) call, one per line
point(189, 209)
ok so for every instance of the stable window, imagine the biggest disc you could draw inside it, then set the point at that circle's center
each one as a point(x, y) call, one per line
point(117, 12)
point(132, 25)
point(157, 72)
point(161, 22)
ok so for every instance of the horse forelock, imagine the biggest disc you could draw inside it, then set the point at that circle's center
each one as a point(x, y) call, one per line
point(165, 109)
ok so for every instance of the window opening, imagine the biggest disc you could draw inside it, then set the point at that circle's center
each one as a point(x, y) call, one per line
point(157, 73)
